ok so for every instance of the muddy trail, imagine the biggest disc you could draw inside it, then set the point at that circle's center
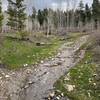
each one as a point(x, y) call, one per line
point(36, 82)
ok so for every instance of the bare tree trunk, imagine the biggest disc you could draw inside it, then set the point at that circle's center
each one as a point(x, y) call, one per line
point(67, 14)
point(74, 3)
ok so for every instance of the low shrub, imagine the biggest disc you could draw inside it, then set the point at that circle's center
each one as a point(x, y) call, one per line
point(23, 34)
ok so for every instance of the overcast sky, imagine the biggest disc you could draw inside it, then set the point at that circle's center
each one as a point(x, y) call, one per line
point(40, 4)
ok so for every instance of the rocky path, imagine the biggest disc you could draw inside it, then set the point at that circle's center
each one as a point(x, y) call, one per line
point(37, 82)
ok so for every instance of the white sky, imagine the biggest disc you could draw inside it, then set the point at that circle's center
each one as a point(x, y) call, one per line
point(40, 4)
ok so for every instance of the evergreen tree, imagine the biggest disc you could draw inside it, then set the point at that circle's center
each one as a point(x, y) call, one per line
point(82, 13)
point(45, 14)
point(96, 12)
point(46, 19)
point(40, 17)
point(1, 16)
point(12, 12)
point(77, 18)
point(16, 14)
point(87, 13)
point(81, 5)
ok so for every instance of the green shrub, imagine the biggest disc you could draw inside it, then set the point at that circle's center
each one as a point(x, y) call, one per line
point(23, 34)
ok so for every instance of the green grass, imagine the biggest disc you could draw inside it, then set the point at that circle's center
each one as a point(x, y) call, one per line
point(74, 36)
point(82, 77)
point(16, 53)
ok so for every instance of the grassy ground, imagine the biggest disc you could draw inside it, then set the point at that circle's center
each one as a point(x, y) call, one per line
point(81, 79)
point(16, 54)
point(74, 36)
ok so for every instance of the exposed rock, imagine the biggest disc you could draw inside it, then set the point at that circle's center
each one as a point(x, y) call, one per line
point(13, 73)
point(53, 59)
point(62, 94)
point(90, 80)
point(28, 71)
point(26, 86)
point(94, 75)
point(58, 98)
point(52, 94)
point(35, 69)
point(25, 65)
point(3, 73)
point(0, 78)
point(66, 78)
point(69, 87)
point(62, 60)
point(47, 65)
point(49, 98)
point(58, 91)
point(89, 94)
point(42, 62)
point(30, 82)
point(7, 76)
point(94, 84)
point(58, 54)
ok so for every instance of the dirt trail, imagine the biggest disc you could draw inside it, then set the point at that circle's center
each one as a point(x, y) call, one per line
point(48, 73)
point(37, 83)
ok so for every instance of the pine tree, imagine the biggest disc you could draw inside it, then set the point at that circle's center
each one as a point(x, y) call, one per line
point(45, 13)
point(46, 20)
point(16, 14)
point(1, 16)
point(77, 18)
point(96, 12)
point(12, 12)
point(82, 13)
point(40, 17)
point(88, 13)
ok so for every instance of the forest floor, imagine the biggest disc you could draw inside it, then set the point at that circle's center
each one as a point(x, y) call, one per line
point(36, 82)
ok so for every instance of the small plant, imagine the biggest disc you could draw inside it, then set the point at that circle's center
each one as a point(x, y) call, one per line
point(23, 34)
